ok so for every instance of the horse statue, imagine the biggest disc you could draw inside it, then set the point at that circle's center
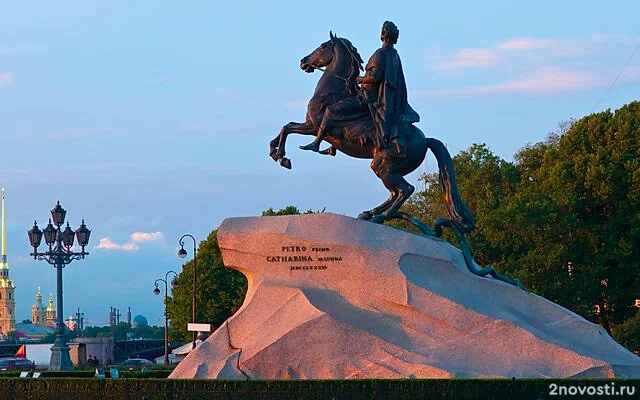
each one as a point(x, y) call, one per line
point(356, 137)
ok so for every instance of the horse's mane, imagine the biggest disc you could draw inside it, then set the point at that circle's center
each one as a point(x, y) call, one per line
point(356, 65)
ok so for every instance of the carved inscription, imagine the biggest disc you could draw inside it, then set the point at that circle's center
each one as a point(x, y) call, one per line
point(303, 258)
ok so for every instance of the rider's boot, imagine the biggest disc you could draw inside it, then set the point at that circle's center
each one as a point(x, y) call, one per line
point(322, 132)
point(313, 146)
point(331, 151)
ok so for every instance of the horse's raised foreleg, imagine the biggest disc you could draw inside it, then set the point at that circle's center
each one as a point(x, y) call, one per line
point(277, 145)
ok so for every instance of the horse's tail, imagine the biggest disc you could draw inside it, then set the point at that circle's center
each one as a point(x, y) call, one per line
point(456, 207)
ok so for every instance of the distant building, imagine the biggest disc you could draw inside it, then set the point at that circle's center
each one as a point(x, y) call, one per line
point(39, 311)
point(31, 331)
point(71, 323)
point(51, 312)
point(41, 315)
point(140, 321)
point(7, 289)
point(129, 316)
point(114, 316)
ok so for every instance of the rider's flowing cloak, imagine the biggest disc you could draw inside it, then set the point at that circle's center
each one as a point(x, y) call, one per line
point(392, 93)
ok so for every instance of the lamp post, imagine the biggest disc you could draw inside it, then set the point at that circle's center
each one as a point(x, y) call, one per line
point(156, 291)
point(59, 255)
point(80, 319)
point(182, 253)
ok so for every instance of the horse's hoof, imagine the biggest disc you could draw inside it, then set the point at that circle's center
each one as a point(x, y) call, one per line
point(365, 215)
point(285, 162)
point(274, 154)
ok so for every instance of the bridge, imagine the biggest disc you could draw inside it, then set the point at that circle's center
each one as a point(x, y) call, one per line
point(123, 349)
point(145, 348)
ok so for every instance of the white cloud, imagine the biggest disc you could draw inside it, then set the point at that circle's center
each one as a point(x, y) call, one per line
point(512, 50)
point(147, 236)
point(469, 58)
point(539, 66)
point(107, 244)
point(6, 79)
point(549, 48)
point(130, 247)
point(541, 82)
point(527, 44)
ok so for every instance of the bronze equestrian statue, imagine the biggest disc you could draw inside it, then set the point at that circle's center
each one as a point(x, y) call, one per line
point(373, 120)
point(369, 117)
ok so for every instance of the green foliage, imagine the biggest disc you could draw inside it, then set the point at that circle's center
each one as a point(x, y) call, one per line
point(288, 210)
point(573, 198)
point(124, 331)
point(49, 337)
point(220, 291)
point(628, 333)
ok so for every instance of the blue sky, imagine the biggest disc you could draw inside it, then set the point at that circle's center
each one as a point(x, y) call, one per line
point(153, 120)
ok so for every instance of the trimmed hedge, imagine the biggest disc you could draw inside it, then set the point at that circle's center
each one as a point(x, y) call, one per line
point(153, 373)
point(155, 389)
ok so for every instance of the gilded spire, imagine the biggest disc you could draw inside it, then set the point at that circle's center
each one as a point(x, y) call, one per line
point(50, 307)
point(4, 237)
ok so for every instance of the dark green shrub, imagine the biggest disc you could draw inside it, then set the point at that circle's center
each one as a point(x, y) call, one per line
point(165, 389)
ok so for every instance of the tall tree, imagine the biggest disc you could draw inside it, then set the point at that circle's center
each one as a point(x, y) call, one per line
point(220, 291)
point(484, 180)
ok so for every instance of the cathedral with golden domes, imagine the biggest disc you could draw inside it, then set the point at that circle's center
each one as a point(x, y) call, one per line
point(7, 289)
point(41, 315)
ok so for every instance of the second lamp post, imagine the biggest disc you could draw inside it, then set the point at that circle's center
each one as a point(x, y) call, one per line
point(182, 253)
point(156, 291)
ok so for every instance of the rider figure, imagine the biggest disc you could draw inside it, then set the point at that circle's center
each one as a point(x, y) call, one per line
point(383, 93)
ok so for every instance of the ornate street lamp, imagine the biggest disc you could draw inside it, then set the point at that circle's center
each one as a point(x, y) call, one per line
point(49, 235)
point(58, 255)
point(182, 253)
point(35, 235)
point(156, 291)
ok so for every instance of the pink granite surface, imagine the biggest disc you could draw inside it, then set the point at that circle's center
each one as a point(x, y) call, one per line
point(333, 297)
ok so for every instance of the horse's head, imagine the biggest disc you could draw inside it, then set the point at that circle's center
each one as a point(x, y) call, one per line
point(331, 50)
point(320, 57)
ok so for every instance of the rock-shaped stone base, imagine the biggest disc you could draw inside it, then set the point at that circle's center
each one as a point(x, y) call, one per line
point(332, 297)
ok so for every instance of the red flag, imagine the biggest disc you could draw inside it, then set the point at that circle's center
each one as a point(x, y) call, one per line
point(22, 352)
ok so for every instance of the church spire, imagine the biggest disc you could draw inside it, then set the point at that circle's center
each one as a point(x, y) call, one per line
point(3, 262)
point(50, 307)
point(7, 301)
